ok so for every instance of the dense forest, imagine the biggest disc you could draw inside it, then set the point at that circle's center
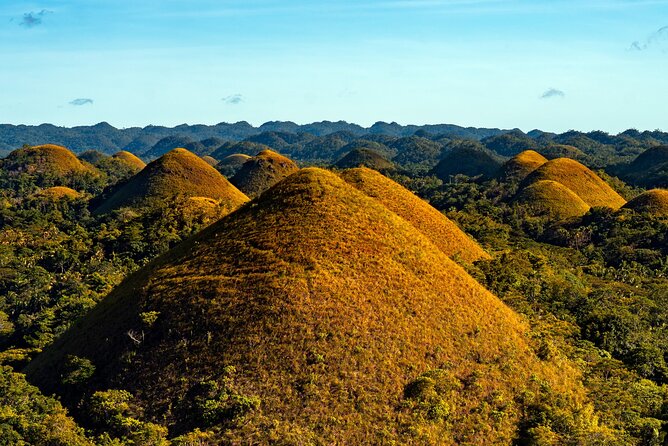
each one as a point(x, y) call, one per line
point(266, 286)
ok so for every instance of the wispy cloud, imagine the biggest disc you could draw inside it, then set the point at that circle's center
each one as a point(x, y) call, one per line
point(233, 99)
point(553, 93)
point(81, 101)
point(33, 19)
point(658, 39)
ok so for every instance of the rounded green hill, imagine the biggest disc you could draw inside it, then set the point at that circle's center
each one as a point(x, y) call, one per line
point(469, 160)
point(210, 160)
point(579, 179)
point(262, 171)
point(313, 314)
point(440, 229)
point(547, 197)
point(653, 201)
point(178, 173)
point(364, 157)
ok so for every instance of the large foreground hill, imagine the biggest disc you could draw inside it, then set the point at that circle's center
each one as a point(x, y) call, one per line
point(314, 315)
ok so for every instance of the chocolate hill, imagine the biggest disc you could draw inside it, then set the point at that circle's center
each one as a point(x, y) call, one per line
point(262, 171)
point(653, 201)
point(553, 199)
point(313, 315)
point(521, 165)
point(437, 227)
point(579, 179)
point(177, 173)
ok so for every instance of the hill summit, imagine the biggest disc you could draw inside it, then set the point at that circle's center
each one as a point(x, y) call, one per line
point(49, 162)
point(364, 157)
point(653, 201)
point(521, 165)
point(130, 160)
point(176, 173)
point(262, 171)
point(579, 179)
point(315, 315)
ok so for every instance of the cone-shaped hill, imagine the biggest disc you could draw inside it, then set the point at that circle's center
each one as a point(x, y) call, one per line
point(649, 169)
point(653, 201)
point(547, 197)
point(579, 179)
point(210, 160)
point(58, 193)
point(437, 227)
point(262, 171)
point(309, 317)
point(521, 165)
point(49, 161)
point(130, 160)
point(176, 173)
point(231, 164)
point(468, 160)
point(364, 157)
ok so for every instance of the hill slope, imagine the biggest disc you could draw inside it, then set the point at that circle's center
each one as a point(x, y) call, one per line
point(547, 197)
point(467, 159)
point(521, 165)
point(437, 227)
point(653, 201)
point(177, 173)
point(262, 171)
point(579, 179)
point(47, 160)
point(130, 160)
point(318, 310)
point(364, 157)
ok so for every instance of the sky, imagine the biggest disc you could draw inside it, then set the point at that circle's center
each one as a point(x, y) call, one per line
point(549, 64)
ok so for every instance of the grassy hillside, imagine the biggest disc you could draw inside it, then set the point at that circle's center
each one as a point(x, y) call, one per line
point(321, 317)
point(130, 160)
point(58, 193)
point(654, 201)
point(521, 165)
point(46, 160)
point(262, 171)
point(177, 173)
point(437, 227)
point(547, 197)
point(579, 179)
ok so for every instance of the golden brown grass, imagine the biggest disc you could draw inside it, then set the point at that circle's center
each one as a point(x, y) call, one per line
point(579, 179)
point(437, 227)
point(326, 304)
point(130, 160)
point(653, 201)
point(521, 165)
point(58, 193)
point(262, 171)
point(177, 173)
point(48, 159)
point(546, 197)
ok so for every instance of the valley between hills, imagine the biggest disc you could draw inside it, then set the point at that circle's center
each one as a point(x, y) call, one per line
point(331, 284)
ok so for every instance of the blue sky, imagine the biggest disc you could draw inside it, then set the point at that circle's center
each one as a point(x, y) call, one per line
point(554, 65)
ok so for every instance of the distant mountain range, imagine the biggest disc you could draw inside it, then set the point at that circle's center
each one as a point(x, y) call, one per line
point(109, 139)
